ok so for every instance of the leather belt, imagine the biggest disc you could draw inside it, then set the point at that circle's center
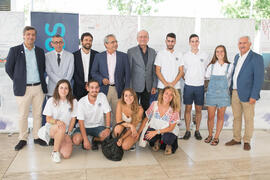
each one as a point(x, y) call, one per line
point(112, 84)
point(33, 84)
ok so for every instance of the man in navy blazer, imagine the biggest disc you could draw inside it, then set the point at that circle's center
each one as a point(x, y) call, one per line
point(83, 61)
point(26, 66)
point(111, 69)
point(248, 75)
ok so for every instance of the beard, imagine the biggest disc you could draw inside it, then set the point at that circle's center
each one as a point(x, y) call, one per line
point(86, 46)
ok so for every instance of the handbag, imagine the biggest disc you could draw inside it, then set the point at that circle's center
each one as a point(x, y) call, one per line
point(142, 141)
point(109, 146)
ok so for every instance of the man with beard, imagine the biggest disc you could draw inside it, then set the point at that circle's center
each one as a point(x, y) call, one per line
point(169, 65)
point(91, 110)
point(83, 60)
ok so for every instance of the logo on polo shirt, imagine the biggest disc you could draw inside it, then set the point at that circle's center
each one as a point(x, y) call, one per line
point(176, 58)
point(69, 109)
point(99, 104)
point(201, 60)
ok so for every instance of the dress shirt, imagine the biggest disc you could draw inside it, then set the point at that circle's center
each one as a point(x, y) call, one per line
point(238, 67)
point(111, 61)
point(85, 61)
point(32, 73)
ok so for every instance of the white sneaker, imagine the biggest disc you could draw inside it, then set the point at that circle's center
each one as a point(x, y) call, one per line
point(56, 157)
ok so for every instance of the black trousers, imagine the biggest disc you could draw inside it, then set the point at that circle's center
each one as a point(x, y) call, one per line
point(165, 139)
point(144, 98)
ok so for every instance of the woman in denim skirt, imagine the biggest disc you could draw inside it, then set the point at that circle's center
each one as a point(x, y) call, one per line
point(217, 96)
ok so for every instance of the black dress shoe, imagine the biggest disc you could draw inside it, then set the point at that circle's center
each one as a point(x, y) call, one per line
point(187, 135)
point(94, 145)
point(198, 135)
point(40, 142)
point(20, 145)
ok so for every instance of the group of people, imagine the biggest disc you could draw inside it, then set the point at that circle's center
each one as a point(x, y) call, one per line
point(112, 87)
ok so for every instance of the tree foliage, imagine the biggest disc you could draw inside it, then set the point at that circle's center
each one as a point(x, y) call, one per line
point(256, 9)
point(134, 7)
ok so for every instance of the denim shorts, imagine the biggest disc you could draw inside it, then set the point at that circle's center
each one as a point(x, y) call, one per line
point(95, 131)
point(193, 94)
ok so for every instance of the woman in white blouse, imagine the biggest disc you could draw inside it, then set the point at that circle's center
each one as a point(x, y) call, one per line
point(129, 111)
point(217, 96)
point(60, 111)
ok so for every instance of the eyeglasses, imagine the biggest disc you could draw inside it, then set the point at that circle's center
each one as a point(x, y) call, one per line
point(112, 42)
point(57, 42)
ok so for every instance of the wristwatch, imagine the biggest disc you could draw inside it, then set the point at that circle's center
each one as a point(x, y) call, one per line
point(68, 133)
point(158, 131)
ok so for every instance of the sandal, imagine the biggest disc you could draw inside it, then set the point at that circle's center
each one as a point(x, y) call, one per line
point(215, 142)
point(168, 150)
point(208, 139)
point(156, 146)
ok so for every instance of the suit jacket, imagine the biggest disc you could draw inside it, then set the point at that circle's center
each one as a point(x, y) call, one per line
point(78, 76)
point(142, 74)
point(55, 72)
point(121, 75)
point(16, 68)
point(250, 77)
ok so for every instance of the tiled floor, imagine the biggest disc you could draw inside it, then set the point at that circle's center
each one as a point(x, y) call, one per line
point(194, 160)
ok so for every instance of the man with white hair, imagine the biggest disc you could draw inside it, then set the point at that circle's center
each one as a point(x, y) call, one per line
point(143, 77)
point(111, 69)
point(247, 81)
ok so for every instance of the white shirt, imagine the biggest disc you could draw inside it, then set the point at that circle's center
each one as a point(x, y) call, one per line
point(220, 70)
point(61, 53)
point(93, 114)
point(62, 111)
point(85, 61)
point(111, 61)
point(194, 67)
point(169, 64)
point(238, 67)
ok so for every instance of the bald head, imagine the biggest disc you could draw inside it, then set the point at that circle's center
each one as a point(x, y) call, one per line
point(142, 38)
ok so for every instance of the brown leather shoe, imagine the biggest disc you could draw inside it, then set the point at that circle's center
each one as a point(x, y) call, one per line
point(247, 146)
point(232, 142)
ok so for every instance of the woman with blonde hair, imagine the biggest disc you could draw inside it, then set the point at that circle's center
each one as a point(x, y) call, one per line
point(129, 111)
point(163, 116)
point(60, 111)
point(217, 96)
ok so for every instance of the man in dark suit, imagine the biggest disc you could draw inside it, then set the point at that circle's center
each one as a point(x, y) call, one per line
point(83, 60)
point(26, 66)
point(142, 68)
point(248, 75)
point(111, 69)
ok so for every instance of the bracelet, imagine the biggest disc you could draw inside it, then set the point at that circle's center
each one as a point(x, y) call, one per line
point(108, 127)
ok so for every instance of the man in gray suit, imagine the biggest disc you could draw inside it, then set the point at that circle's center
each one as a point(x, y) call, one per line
point(142, 69)
point(59, 64)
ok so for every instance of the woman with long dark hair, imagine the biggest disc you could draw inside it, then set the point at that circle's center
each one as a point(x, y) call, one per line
point(60, 111)
point(129, 111)
point(217, 96)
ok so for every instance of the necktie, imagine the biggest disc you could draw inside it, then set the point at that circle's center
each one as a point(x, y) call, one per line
point(58, 59)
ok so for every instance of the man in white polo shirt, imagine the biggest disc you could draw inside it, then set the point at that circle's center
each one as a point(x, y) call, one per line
point(91, 110)
point(195, 64)
point(169, 65)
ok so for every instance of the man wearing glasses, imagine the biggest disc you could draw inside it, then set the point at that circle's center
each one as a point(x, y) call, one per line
point(111, 69)
point(59, 63)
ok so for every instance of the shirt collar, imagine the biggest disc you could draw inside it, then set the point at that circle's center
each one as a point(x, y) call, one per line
point(244, 55)
point(82, 52)
point(58, 53)
point(113, 54)
point(142, 50)
point(26, 49)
